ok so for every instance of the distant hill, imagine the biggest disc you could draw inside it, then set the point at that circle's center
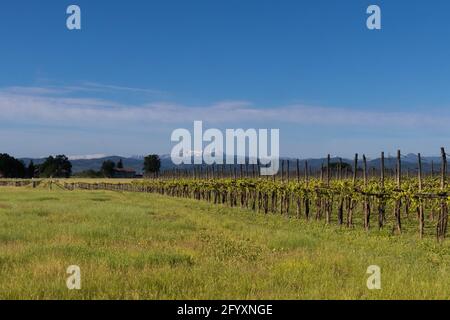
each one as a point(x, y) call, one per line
point(136, 163)
point(80, 165)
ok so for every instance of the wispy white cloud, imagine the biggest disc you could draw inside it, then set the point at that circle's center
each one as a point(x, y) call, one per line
point(108, 87)
point(47, 106)
point(87, 156)
point(38, 91)
point(84, 87)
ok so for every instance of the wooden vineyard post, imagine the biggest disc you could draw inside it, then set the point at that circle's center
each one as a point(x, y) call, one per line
point(341, 197)
point(420, 208)
point(443, 214)
point(307, 202)
point(443, 168)
point(432, 169)
point(398, 202)
point(327, 199)
point(355, 169)
point(287, 197)
point(382, 201)
point(321, 173)
point(306, 171)
point(328, 170)
point(258, 169)
point(366, 197)
point(365, 169)
point(351, 204)
point(296, 195)
point(288, 172)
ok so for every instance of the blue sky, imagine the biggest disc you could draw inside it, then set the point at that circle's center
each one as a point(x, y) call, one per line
point(140, 69)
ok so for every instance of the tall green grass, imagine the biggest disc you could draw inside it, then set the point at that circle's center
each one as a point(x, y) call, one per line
point(140, 246)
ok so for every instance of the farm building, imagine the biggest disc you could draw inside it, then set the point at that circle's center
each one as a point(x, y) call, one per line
point(124, 173)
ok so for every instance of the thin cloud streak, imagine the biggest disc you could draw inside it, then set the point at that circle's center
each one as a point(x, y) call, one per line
point(107, 87)
point(45, 106)
point(85, 87)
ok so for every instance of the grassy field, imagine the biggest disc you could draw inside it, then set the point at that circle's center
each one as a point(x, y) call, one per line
point(140, 246)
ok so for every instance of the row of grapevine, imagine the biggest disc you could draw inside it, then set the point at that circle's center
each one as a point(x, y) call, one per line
point(343, 202)
point(395, 202)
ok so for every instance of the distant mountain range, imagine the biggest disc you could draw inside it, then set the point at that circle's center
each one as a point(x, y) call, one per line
point(80, 164)
point(94, 162)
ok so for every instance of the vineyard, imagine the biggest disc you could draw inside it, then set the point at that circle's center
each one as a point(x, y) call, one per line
point(395, 202)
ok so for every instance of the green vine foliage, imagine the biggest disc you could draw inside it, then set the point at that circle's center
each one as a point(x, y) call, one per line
point(315, 197)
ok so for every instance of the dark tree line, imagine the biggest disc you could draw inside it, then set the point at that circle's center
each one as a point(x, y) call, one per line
point(11, 167)
point(106, 171)
point(56, 167)
point(152, 164)
point(108, 168)
point(60, 167)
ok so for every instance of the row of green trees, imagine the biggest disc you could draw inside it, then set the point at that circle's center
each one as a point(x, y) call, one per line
point(60, 167)
point(57, 167)
point(13, 168)
point(106, 171)
point(152, 165)
point(109, 166)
